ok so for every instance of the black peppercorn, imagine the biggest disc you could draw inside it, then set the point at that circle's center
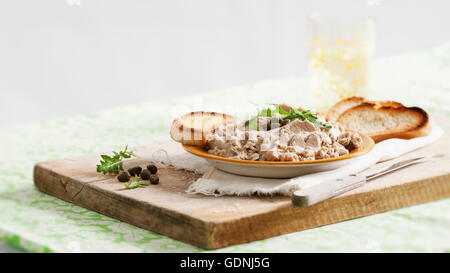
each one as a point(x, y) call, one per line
point(274, 125)
point(135, 171)
point(145, 174)
point(123, 176)
point(284, 122)
point(152, 168)
point(263, 124)
point(154, 179)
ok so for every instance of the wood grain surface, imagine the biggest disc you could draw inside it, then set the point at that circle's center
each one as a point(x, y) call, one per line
point(214, 222)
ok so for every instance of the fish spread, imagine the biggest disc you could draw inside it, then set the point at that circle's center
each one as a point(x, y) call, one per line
point(295, 140)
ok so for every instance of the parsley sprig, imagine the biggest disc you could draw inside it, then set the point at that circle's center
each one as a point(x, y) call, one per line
point(273, 109)
point(135, 184)
point(269, 111)
point(306, 114)
point(114, 164)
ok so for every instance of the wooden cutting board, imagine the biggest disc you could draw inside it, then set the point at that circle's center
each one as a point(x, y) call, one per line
point(214, 222)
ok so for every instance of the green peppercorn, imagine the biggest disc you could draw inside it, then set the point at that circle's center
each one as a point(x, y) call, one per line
point(135, 171)
point(154, 179)
point(152, 168)
point(123, 176)
point(145, 174)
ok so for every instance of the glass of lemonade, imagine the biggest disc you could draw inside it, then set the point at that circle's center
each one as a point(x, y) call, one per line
point(340, 54)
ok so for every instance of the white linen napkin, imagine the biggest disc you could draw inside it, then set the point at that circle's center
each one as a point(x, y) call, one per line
point(216, 182)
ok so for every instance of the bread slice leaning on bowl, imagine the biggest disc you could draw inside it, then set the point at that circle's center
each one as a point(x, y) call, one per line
point(383, 120)
point(340, 107)
point(195, 127)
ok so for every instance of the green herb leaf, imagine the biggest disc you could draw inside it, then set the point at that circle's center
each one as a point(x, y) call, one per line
point(135, 184)
point(268, 111)
point(113, 164)
point(273, 109)
point(306, 114)
point(280, 110)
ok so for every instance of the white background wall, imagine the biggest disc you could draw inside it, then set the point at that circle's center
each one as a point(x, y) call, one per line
point(65, 57)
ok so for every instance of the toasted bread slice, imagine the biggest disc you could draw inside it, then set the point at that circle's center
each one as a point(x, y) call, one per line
point(386, 120)
point(345, 104)
point(389, 103)
point(342, 106)
point(195, 127)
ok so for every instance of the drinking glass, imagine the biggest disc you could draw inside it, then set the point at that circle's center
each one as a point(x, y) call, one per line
point(340, 55)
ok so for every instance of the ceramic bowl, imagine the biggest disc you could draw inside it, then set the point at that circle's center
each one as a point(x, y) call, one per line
point(280, 169)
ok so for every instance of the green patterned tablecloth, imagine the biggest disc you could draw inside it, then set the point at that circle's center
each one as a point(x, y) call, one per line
point(41, 223)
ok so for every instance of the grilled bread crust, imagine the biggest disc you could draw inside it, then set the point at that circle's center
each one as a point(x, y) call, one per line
point(383, 120)
point(342, 106)
point(195, 127)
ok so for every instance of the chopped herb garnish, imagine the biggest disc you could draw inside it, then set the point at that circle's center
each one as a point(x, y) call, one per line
point(306, 114)
point(135, 184)
point(292, 114)
point(270, 111)
point(114, 164)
